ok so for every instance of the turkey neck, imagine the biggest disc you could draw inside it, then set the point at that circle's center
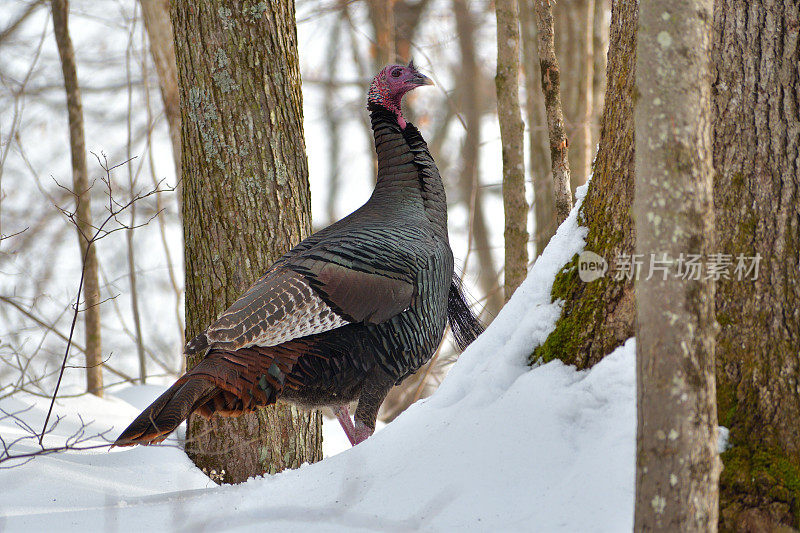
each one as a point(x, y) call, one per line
point(407, 174)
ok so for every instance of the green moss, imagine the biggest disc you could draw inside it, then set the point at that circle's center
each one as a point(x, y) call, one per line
point(726, 404)
point(584, 303)
point(580, 307)
point(768, 473)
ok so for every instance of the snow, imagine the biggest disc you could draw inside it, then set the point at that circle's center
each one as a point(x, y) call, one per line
point(499, 446)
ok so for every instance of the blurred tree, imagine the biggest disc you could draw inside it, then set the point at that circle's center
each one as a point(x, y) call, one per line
point(246, 200)
point(539, 155)
point(756, 124)
point(602, 9)
point(162, 49)
point(574, 38)
point(677, 464)
point(381, 13)
point(468, 180)
point(81, 190)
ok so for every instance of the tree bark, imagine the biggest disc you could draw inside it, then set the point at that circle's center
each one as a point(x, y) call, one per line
point(515, 206)
point(599, 316)
point(539, 157)
point(162, 49)
point(81, 189)
point(551, 88)
point(677, 466)
point(246, 200)
point(756, 119)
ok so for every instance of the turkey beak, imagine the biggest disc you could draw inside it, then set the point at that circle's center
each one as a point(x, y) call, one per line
point(420, 79)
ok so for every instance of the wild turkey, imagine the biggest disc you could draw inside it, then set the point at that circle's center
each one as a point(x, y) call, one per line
point(346, 314)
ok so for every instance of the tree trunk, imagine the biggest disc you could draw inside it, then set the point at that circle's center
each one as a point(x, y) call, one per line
point(756, 118)
point(598, 316)
point(162, 49)
point(582, 146)
point(677, 467)
point(382, 14)
point(573, 34)
point(81, 189)
point(469, 181)
point(407, 17)
point(539, 162)
point(599, 53)
point(245, 201)
point(551, 88)
point(515, 206)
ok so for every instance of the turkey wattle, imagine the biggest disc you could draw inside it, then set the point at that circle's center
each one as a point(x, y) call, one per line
point(346, 314)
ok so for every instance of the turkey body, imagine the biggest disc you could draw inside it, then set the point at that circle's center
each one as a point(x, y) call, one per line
point(401, 232)
point(343, 316)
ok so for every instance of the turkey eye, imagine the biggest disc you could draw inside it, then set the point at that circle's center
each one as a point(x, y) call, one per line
point(396, 73)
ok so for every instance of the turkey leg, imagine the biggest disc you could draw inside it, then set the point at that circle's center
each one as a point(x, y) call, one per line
point(343, 415)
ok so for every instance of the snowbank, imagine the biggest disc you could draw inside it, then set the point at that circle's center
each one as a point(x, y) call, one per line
point(498, 447)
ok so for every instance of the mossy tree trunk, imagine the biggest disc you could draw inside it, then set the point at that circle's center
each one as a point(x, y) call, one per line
point(756, 113)
point(677, 464)
point(598, 316)
point(246, 200)
point(756, 153)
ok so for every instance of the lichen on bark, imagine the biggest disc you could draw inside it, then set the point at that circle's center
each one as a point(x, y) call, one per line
point(246, 201)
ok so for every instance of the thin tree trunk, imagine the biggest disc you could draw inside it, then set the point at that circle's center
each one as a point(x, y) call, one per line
point(756, 121)
point(539, 162)
point(134, 293)
point(407, 16)
point(382, 14)
point(515, 206)
point(469, 181)
point(246, 201)
point(551, 88)
point(83, 210)
point(677, 465)
point(599, 316)
point(332, 120)
point(599, 54)
point(177, 289)
point(162, 49)
point(582, 147)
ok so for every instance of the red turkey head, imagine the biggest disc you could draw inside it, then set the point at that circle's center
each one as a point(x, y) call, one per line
point(391, 83)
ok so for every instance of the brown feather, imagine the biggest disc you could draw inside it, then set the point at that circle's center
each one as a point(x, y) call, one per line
point(362, 296)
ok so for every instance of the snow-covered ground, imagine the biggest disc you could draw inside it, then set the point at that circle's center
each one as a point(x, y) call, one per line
point(499, 447)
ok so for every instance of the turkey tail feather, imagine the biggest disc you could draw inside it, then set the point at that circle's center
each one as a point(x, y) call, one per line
point(165, 414)
point(465, 325)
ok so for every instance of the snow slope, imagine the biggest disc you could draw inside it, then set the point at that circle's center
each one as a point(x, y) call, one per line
point(499, 447)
